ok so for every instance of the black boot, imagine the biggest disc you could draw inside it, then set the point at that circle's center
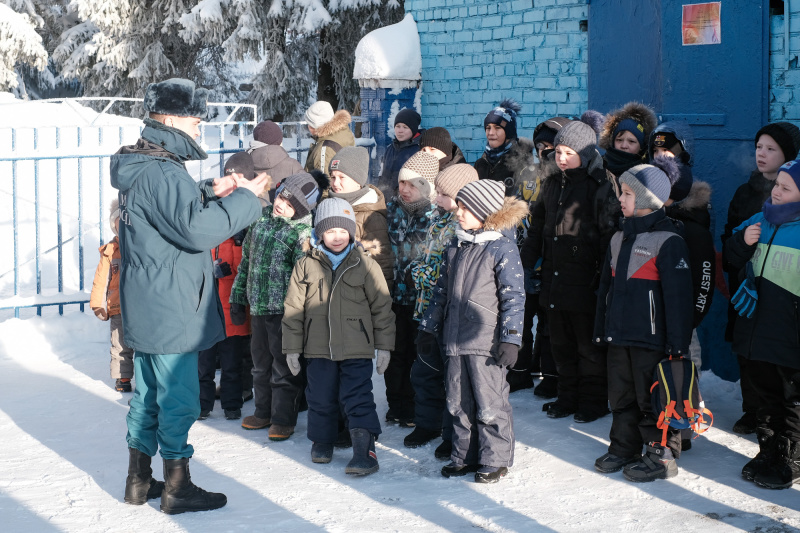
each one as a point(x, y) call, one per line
point(767, 454)
point(365, 460)
point(140, 485)
point(181, 495)
point(784, 470)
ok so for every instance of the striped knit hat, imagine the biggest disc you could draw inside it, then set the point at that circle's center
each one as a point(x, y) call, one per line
point(421, 170)
point(450, 180)
point(301, 191)
point(335, 213)
point(650, 184)
point(482, 198)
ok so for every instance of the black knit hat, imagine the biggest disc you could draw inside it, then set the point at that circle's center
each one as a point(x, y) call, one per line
point(410, 118)
point(438, 138)
point(546, 131)
point(786, 134)
point(505, 116)
point(240, 163)
point(268, 132)
point(301, 191)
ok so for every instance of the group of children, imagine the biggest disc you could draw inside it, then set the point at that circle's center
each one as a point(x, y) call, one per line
point(604, 235)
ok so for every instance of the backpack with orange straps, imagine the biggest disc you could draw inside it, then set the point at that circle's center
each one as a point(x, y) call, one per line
point(676, 397)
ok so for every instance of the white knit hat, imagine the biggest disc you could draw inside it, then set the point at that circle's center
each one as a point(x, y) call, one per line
point(319, 114)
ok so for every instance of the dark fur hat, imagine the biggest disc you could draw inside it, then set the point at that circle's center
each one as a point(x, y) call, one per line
point(177, 97)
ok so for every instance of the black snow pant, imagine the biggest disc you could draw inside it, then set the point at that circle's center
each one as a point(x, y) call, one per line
point(542, 353)
point(777, 396)
point(332, 384)
point(399, 391)
point(750, 394)
point(247, 367)
point(633, 424)
point(276, 391)
point(229, 351)
point(430, 399)
point(477, 397)
point(581, 365)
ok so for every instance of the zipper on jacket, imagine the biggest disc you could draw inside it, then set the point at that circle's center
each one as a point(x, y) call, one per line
point(364, 329)
point(320, 289)
point(308, 331)
point(652, 314)
point(335, 281)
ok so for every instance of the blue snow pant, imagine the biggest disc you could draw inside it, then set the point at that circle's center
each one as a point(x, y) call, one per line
point(430, 399)
point(477, 397)
point(331, 383)
point(165, 404)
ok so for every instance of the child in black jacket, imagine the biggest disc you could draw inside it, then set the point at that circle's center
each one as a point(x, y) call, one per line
point(644, 313)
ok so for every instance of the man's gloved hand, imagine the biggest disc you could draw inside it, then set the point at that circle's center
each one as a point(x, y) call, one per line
point(222, 270)
point(382, 358)
point(100, 313)
point(293, 362)
point(238, 314)
point(507, 354)
point(746, 298)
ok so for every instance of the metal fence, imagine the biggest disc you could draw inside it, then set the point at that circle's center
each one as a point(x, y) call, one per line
point(57, 199)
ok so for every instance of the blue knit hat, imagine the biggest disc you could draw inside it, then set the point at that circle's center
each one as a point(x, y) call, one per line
point(631, 125)
point(793, 169)
point(505, 116)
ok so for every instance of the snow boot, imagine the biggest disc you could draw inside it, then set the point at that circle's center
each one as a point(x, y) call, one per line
point(782, 472)
point(519, 380)
point(365, 460)
point(557, 410)
point(452, 469)
point(392, 417)
point(547, 388)
point(279, 432)
point(767, 454)
point(254, 422)
point(123, 385)
point(343, 439)
point(584, 417)
point(421, 437)
point(609, 462)
point(204, 414)
point(233, 414)
point(657, 463)
point(140, 485)
point(746, 425)
point(444, 450)
point(321, 453)
point(490, 474)
point(181, 495)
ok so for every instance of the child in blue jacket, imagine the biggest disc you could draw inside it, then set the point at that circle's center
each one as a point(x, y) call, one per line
point(478, 305)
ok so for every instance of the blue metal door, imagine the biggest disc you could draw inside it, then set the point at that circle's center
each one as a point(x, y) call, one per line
point(637, 52)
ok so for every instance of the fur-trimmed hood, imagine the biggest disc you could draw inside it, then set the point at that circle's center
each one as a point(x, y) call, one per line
point(699, 196)
point(509, 216)
point(341, 120)
point(635, 110)
point(520, 155)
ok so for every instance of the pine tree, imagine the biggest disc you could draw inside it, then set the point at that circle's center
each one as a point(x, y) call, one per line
point(20, 44)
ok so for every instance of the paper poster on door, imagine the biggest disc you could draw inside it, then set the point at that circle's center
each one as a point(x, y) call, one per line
point(701, 24)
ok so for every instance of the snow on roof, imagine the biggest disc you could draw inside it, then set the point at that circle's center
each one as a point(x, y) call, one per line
point(390, 57)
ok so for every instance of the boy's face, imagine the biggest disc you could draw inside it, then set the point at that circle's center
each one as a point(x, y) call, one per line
point(342, 183)
point(402, 132)
point(336, 239)
point(785, 190)
point(282, 207)
point(541, 146)
point(444, 201)
point(435, 151)
point(567, 158)
point(312, 131)
point(495, 135)
point(408, 192)
point(466, 219)
point(663, 152)
point(769, 156)
point(626, 142)
point(188, 125)
point(627, 200)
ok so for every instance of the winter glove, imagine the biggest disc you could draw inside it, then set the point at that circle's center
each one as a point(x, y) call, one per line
point(382, 358)
point(100, 313)
point(238, 314)
point(506, 354)
point(425, 342)
point(746, 298)
point(222, 270)
point(293, 362)
point(532, 284)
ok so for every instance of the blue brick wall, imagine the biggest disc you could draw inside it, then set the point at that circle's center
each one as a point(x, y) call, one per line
point(474, 54)
point(784, 79)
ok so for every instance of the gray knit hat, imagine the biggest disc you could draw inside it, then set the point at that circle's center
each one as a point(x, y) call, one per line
point(335, 213)
point(482, 197)
point(580, 137)
point(301, 191)
point(421, 169)
point(650, 185)
point(453, 178)
point(352, 161)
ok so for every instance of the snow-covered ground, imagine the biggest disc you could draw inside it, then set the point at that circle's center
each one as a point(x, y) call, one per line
point(63, 462)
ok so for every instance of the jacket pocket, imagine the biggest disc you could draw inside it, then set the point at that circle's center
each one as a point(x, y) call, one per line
point(356, 334)
point(200, 294)
point(364, 330)
point(652, 313)
point(308, 331)
point(480, 313)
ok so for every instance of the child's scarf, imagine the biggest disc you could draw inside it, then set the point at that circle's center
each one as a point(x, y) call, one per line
point(781, 214)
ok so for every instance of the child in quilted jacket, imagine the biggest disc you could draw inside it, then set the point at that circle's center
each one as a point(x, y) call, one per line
point(106, 283)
